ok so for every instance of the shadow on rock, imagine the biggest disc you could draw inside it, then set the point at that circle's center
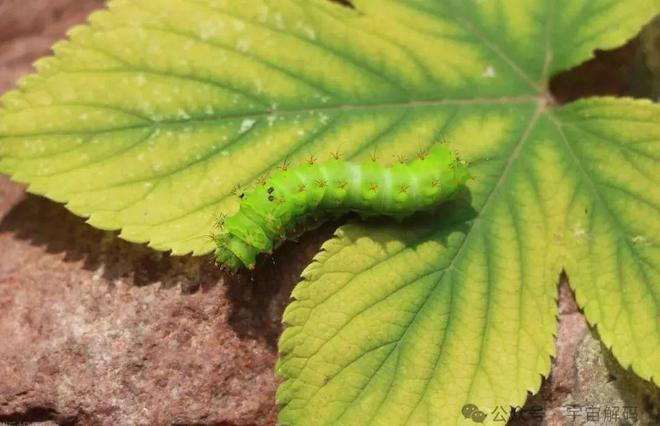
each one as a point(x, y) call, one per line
point(259, 297)
point(641, 398)
point(49, 225)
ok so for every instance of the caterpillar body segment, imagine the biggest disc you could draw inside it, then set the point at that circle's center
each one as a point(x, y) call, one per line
point(270, 211)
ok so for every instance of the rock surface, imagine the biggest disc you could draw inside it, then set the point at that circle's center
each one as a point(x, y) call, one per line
point(94, 330)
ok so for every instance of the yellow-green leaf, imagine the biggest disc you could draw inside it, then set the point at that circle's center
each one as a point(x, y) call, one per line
point(148, 118)
point(370, 338)
point(610, 224)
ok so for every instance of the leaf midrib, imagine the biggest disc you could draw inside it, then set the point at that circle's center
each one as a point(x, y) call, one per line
point(504, 100)
point(471, 231)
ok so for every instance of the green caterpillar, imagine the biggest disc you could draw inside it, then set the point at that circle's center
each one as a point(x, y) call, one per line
point(271, 210)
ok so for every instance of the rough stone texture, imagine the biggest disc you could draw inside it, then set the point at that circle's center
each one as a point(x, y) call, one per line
point(94, 330)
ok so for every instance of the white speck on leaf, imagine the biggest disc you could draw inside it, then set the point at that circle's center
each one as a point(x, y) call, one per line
point(209, 30)
point(182, 114)
point(243, 44)
point(206, 33)
point(279, 21)
point(323, 99)
point(247, 125)
point(239, 25)
point(307, 30)
point(489, 72)
point(262, 14)
point(259, 86)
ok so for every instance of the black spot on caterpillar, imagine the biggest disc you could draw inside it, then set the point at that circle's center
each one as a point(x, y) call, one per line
point(275, 206)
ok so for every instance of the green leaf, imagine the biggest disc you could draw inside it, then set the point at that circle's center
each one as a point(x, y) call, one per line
point(370, 338)
point(147, 119)
point(610, 229)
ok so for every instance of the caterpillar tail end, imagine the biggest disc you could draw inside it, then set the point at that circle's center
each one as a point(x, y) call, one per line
point(235, 253)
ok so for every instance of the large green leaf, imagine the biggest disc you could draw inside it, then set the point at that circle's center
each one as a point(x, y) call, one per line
point(147, 119)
